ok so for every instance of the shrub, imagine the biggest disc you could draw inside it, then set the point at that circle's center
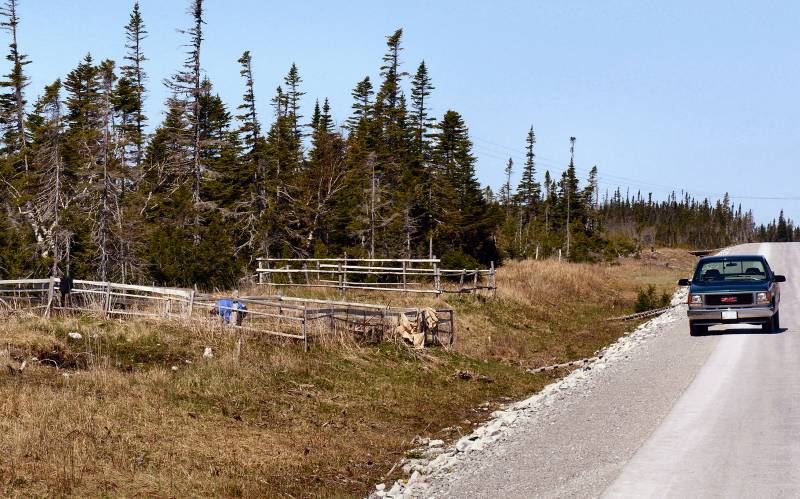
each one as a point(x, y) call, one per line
point(646, 299)
point(459, 260)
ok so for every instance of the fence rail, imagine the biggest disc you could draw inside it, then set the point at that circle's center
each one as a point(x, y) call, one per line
point(286, 317)
point(424, 276)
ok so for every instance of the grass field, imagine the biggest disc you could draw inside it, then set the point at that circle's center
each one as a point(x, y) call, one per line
point(135, 409)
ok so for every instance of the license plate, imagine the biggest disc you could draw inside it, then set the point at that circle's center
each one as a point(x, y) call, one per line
point(730, 315)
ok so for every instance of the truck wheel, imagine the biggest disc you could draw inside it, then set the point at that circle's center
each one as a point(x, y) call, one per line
point(697, 330)
point(773, 325)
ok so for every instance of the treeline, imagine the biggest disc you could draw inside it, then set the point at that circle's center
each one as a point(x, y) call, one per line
point(782, 230)
point(85, 188)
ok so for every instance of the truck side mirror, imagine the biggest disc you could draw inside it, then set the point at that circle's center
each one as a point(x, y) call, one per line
point(779, 278)
point(684, 282)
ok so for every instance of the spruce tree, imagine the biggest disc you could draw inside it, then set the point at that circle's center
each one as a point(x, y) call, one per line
point(131, 89)
point(315, 117)
point(185, 86)
point(292, 80)
point(13, 100)
point(505, 191)
point(421, 88)
point(362, 104)
point(254, 158)
point(466, 220)
point(529, 190)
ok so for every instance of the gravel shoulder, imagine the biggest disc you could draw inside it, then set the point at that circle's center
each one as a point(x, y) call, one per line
point(573, 438)
point(660, 414)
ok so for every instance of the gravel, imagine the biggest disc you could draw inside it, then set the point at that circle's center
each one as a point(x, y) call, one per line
point(572, 438)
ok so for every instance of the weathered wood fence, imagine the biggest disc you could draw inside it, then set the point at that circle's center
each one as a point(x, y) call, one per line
point(397, 275)
point(294, 318)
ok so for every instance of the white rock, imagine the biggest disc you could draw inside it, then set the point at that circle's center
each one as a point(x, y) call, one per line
point(441, 460)
point(463, 444)
point(174, 368)
point(396, 489)
point(207, 353)
point(75, 335)
point(380, 486)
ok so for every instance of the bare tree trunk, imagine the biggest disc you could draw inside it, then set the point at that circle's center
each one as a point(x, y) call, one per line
point(197, 43)
point(372, 215)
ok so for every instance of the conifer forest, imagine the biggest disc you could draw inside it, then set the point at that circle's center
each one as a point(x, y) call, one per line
point(94, 186)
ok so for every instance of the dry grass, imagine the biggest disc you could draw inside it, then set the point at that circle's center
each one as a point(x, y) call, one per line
point(547, 312)
point(115, 419)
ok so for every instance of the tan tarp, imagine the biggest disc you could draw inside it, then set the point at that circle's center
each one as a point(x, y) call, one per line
point(414, 331)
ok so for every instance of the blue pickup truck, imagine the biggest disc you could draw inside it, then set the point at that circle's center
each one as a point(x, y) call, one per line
point(738, 289)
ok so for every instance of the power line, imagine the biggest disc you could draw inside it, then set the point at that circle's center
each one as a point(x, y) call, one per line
point(518, 153)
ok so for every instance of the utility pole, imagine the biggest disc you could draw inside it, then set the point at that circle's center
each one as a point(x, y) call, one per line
point(569, 188)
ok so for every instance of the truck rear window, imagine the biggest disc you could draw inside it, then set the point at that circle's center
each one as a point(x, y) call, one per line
point(732, 270)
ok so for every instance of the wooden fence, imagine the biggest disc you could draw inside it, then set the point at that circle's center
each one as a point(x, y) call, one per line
point(100, 298)
point(294, 318)
point(397, 275)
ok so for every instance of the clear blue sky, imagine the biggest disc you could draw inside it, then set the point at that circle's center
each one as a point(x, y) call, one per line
point(701, 96)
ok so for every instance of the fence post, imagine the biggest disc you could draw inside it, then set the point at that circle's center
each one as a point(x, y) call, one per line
point(191, 299)
point(461, 280)
point(493, 279)
point(305, 271)
point(107, 304)
point(50, 292)
point(319, 278)
point(344, 275)
point(475, 280)
point(559, 254)
point(260, 274)
point(404, 275)
point(452, 327)
point(437, 279)
point(341, 280)
point(305, 329)
point(537, 251)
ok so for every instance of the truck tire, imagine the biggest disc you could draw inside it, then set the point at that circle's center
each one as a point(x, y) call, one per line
point(697, 330)
point(774, 324)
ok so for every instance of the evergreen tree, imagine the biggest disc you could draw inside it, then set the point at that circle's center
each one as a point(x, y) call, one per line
point(12, 102)
point(782, 230)
point(466, 219)
point(421, 88)
point(529, 190)
point(185, 86)
point(362, 103)
point(293, 96)
point(131, 90)
point(505, 191)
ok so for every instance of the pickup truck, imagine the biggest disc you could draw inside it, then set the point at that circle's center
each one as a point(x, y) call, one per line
point(738, 289)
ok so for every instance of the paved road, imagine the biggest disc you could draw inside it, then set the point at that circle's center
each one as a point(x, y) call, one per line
point(713, 416)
